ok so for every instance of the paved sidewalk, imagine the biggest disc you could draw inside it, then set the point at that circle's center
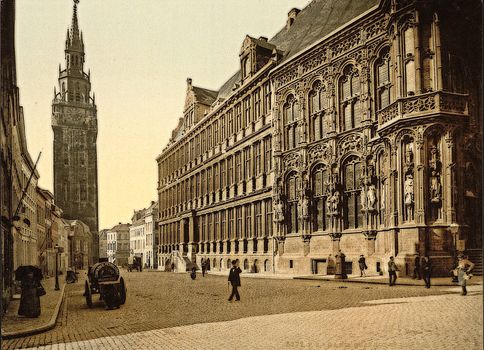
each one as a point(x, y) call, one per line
point(374, 279)
point(429, 322)
point(14, 325)
point(405, 281)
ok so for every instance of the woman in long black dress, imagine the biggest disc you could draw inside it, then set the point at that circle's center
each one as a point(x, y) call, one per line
point(29, 299)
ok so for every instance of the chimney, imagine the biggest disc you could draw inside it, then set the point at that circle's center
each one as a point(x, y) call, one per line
point(189, 82)
point(152, 202)
point(291, 17)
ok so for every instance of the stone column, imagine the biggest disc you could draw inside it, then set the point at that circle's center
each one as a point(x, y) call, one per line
point(449, 181)
point(419, 184)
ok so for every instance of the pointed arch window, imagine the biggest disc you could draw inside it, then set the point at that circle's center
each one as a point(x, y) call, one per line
point(383, 80)
point(292, 184)
point(409, 60)
point(291, 115)
point(349, 87)
point(352, 174)
point(319, 179)
point(317, 103)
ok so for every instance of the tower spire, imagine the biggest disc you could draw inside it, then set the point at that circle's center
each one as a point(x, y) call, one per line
point(75, 23)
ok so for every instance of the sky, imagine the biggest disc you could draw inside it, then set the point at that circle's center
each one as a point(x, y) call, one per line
point(140, 53)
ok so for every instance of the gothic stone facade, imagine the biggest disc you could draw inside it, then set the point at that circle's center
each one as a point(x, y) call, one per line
point(74, 122)
point(375, 128)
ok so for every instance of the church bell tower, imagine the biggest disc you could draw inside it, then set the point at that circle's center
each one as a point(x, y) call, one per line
point(74, 122)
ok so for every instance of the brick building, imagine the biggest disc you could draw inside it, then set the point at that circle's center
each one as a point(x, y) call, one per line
point(357, 128)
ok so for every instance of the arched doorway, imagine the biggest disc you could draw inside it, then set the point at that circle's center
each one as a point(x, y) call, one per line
point(246, 265)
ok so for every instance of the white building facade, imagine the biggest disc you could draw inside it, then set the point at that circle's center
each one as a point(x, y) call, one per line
point(142, 238)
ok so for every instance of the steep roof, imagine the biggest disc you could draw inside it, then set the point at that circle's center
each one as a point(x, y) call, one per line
point(316, 20)
point(205, 96)
point(120, 227)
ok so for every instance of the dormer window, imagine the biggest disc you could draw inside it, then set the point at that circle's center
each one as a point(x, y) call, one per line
point(246, 67)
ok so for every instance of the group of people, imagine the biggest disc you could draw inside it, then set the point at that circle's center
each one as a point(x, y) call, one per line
point(423, 269)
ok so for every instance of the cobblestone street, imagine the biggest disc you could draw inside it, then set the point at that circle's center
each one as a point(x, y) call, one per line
point(299, 311)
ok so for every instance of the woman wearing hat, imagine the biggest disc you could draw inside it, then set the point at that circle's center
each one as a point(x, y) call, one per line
point(464, 267)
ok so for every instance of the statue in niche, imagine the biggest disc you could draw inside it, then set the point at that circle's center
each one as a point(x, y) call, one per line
point(335, 203)
point(278, 211)
point(371, 194)
point(383, 195)
point(435, 190)
point(409, 154)
point(408, 189)
point(434, 160)
point(305, 207)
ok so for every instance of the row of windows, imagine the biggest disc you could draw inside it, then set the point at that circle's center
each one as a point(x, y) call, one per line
point(350, 88)
point(241, 116)
point(247, 221)
point(250, 162)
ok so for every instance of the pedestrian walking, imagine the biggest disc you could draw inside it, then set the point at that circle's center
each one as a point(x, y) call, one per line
point(426, 270)
point(392, 271)
point(362, 265)
point(417, 270)
point(234, 280)
point(463, 269)
point(193, 274)
point(204, 268)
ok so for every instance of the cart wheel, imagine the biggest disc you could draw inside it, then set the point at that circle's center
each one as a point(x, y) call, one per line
point(87, 293)
point(122, 292)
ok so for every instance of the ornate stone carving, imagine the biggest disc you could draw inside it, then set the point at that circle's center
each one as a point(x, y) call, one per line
point(352, 142)
point(333, 203)
point(320, 151)
point(278, 211)
point(292, 160)
point(418, 103)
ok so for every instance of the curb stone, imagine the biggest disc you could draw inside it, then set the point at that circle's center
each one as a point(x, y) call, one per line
point(36, 330)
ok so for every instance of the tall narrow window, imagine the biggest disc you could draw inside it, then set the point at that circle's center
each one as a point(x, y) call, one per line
point(290, 120)
point(257, 158)
point(230, 123)
point(292, 183)
point(258, 219)
point(267, 154)
point(230, 171)
point(383, 83)
point(248, 163)
point(238, 167)
point(267, 98)
point(257, 104)
point(409, 60)
point(349, 87)
point(238, 118)
point(248, 221)
point(268, 221)
point(247, 111)
point(317, 103)
point(427, 56)
point(352, 207)
point(319, 181)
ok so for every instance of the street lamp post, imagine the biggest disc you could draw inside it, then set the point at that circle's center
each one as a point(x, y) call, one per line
point(454, 229)
point(56, 248)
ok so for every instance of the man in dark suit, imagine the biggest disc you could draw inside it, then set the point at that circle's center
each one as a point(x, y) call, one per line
point(234, 279)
